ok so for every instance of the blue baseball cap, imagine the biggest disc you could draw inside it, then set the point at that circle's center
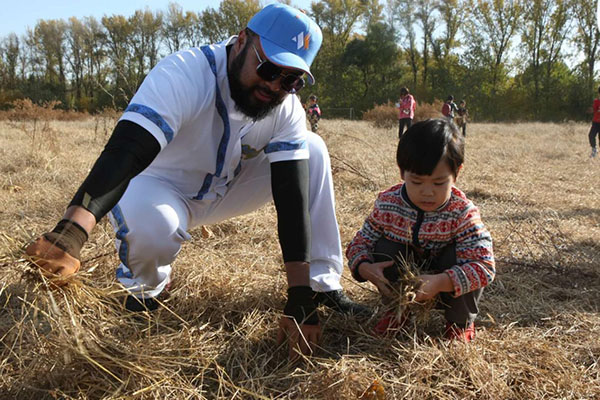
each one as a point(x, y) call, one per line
point(288, 37)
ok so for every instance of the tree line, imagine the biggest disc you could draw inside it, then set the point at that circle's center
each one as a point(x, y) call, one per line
point(507, 58)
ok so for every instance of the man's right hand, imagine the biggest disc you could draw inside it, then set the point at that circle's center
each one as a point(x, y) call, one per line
point(300, 322)
point(301, 338)
point(51, 260)
point(56, 253)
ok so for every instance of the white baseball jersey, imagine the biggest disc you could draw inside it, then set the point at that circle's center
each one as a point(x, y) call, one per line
point(204, 140)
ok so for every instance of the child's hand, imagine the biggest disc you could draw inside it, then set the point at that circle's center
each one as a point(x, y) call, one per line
point(433, 285)
point(374, 274)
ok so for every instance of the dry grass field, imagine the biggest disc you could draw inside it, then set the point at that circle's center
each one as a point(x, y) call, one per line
point(537, 334)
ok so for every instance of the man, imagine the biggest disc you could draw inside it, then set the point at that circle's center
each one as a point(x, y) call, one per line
point(209, 135)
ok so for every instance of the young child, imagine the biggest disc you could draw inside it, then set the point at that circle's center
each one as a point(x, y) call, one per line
point(429, 218)
point(313, 112)
point(449, 108)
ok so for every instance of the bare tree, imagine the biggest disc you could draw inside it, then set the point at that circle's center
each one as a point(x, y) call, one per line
point(491, 27)
point(543, 33)
point(426, 18)
point(587, 38)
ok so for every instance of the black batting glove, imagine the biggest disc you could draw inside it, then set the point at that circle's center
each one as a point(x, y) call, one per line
point(301, 306)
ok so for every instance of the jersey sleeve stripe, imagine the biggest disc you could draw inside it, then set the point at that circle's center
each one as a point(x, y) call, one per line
point(154, 117)
point(285, 146)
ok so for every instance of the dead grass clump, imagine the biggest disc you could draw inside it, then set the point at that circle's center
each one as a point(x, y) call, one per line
point(386, 115)
point(428, 110)
point(26, 110)
point(382, 115)
point(104, 122)
point(405, 290)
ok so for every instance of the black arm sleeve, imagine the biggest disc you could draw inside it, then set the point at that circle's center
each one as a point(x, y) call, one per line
point(128, 152)
point(289, 184)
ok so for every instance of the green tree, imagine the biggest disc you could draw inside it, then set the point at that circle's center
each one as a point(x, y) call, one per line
point(176, 27)
point(10, 61)
point(76, 58)
point(96, 66)
point(336, 82)
point(544, 31)
point(587, 39)
point(119, 36)
point(402, 18)
point(230, 18)
point(50, 41)
point(145, 43)
point(490, 28)
point(427, 20)
point(375, 56)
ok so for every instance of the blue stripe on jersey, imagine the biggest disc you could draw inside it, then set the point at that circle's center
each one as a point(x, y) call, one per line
point(154, 117)
point(222, 110)
point(282, 146)
point(122, 231)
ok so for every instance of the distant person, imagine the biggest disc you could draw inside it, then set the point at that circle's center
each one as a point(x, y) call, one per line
point(462, 117)
point(313, 112)
point(428, 218)
point(449, 108)
point(595, 129)
point(406, 110)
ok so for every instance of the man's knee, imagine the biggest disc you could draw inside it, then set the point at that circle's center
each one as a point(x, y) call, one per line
point(154, 236)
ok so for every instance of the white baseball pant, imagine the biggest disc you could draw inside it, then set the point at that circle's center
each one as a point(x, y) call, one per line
point(152, 219)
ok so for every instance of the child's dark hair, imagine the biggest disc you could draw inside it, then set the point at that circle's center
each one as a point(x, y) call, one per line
point(425, 143)
point(312, 97)
point(404, 91)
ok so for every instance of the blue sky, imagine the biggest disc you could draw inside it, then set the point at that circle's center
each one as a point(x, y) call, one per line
point(17, 15)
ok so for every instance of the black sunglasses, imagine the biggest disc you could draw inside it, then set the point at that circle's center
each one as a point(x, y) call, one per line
point(268, 71)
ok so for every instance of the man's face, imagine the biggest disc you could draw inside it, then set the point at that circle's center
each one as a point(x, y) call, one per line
point(253, 96)
point(429, 192)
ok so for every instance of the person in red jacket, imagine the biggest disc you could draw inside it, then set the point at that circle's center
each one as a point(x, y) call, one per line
point(595, 129)
point(406, 110)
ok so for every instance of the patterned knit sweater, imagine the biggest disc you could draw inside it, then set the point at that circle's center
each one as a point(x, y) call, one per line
point(458, 221)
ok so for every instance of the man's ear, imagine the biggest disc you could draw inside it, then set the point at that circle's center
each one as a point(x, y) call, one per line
point(241, 40)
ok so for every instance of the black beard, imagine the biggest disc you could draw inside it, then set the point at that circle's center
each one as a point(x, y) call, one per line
point(243, 96)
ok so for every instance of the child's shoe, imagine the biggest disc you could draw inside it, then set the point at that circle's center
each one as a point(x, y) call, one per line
point(594, 152)
point(389, 324)
point(453, 332)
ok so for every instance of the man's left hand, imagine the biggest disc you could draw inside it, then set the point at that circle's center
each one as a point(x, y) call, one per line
point(301, 338)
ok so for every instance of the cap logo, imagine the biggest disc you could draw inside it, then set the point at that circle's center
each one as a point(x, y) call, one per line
point(302, 41)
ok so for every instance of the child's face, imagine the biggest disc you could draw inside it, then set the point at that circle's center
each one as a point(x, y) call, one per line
point(429, 192)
